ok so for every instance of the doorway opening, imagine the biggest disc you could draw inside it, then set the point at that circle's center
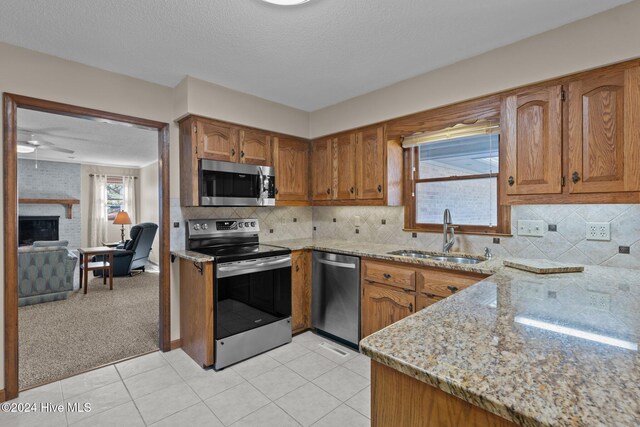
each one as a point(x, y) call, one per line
point(76, 180)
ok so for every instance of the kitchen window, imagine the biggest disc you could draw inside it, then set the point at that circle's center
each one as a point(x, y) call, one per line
point(455, 169)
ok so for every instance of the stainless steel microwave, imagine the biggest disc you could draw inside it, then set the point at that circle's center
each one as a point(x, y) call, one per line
point(236, 184)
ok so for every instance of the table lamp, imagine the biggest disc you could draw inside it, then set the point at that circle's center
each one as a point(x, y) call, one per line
point(122, 218)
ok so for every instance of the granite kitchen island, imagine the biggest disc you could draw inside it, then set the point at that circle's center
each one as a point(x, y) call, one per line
point(534, 350)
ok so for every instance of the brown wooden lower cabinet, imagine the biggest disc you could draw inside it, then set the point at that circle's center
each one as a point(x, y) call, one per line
point(392, 291)
point(300, 291)
point(402, 401)
point(383, 305)
point(425, 301)
point(196, 310)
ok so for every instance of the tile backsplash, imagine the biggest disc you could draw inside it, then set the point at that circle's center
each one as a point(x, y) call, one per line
point(568, 243)
point(384, 225)
point(279, 223)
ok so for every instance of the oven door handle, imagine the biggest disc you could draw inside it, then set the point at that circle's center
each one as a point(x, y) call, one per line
point(253, 267)
point(276, 262)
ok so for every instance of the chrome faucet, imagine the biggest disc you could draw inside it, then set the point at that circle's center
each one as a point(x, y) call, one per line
point(447, 227)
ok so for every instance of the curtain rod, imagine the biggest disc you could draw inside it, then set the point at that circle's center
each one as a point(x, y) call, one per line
point(92, 175)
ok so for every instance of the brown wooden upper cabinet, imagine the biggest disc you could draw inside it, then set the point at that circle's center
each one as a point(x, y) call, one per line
point(599, 123)
point(532, 141)
point(215, 142)
point(357, 168)
point(370, 163)
point(291, 160)
point(344, 167)
point(203, 138)
point(321, 168)
point(255, 147)
point(604, 131)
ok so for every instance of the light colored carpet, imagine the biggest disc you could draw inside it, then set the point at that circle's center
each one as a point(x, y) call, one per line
point(62, 338)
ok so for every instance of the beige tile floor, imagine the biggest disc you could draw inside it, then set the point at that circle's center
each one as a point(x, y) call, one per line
point(304, 383)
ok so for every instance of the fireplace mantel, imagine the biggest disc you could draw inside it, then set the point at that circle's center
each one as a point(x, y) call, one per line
point(67, 203)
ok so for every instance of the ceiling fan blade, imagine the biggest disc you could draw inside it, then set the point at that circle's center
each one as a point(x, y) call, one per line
point(38, 143)
point(28, 133)
point(52, 148)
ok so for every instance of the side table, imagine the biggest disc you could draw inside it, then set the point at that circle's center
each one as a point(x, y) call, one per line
point(86, 266)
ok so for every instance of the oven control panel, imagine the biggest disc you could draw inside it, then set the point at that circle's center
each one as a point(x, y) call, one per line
point(204, 227)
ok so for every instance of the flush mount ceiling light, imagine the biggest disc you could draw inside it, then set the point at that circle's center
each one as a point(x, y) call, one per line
point(286, 2)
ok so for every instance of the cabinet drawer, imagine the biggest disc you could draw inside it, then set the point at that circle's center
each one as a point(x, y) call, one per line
point(444, 283)
point(387, 274)
point(424, 301)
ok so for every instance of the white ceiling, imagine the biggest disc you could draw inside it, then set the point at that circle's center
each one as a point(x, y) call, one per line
point(307, 56)
point(93, 142)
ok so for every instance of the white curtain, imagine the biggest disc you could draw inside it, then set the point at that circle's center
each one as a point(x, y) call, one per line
point(130, 197)
point(98, 211)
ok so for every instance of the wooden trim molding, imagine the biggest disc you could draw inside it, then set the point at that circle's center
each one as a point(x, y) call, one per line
point(411, 223)
point(11, 103)
point(3, 396)
point(175, 344)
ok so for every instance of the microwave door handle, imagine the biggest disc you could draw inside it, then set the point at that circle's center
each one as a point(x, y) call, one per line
point(260, 184)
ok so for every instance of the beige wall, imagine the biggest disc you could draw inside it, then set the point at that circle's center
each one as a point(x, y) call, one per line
point(148, 206)
point(608, 37)
point(113, 231)
point(215, 101)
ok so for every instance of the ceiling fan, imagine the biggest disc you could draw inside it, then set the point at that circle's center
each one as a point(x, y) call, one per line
point(33, 143)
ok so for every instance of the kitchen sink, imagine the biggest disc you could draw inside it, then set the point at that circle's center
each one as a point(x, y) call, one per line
point(411, 254)
point(456, 259)
point(445, 258)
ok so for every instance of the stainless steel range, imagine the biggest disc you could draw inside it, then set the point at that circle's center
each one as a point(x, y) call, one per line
point(252, 288)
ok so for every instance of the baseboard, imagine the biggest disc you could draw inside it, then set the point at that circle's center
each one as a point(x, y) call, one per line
point(175, 344)
point(3, 396)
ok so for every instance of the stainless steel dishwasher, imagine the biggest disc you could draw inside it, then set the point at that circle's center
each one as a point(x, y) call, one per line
point(335, 306)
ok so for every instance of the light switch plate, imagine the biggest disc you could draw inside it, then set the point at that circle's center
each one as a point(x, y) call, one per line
point(357, 221)
point(598, 231)
point(530, 228)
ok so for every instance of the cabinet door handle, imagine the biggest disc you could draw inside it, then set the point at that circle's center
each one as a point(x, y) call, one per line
point(453, 289)
point(408, 290)
point(297, 268)
point(410, 308)
point(276, 190)
point(352, 190)
point(511, 181)
point(386, 276)
point(575, 177)
point(328, 191)
point(379, 188)
point(428, 295)
point(242, 154)
point(233, 152)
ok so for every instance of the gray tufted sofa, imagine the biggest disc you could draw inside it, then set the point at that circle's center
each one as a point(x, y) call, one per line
point(45, 272)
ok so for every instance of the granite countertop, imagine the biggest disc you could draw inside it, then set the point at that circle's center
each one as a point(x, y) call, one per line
point(192, 256)
point(381, 251)
point(554, 349)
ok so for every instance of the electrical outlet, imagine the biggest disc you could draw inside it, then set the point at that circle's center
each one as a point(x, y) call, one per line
point(599, 300)
point(530, 228)
point(598, 231)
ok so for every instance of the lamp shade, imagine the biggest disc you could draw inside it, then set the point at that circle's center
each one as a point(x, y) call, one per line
point(122, 218)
